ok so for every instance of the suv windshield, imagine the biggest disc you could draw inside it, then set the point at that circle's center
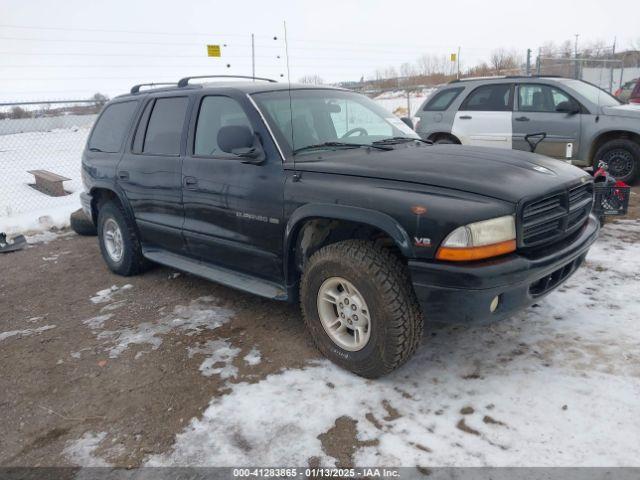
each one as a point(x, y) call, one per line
point(593, 93)
point(329, 119)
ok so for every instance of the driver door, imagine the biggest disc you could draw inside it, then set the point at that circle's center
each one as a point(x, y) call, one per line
point(537, 111)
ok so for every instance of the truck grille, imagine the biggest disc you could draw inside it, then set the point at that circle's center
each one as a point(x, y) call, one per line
point(553, 217)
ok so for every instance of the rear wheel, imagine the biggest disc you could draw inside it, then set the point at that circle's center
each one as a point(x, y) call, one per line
point(360, 308)
point(622, 157)
point(119, 241)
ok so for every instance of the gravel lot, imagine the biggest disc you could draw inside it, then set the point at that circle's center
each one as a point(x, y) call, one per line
point(166, 368)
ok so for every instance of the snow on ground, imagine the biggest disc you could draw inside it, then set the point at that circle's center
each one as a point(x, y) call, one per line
point(23, 208)
point(201, 314)
point(81, 451)
point(396, 101)
point(557, 385)
point(219, 358)
point(106, 295)
point(26, 332)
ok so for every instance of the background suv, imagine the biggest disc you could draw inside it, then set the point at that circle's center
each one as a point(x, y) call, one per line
point(583, 123)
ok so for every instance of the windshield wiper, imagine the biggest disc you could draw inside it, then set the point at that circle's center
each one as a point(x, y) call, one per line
point(395, 140)
point(341, 144)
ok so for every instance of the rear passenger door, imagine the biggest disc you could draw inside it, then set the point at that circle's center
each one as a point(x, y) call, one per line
point(233, 208)
point(545, 108)
point(484, 117)
point(150, 172)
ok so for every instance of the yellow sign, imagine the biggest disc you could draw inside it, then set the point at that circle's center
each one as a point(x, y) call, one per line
point(213, 51)
point(454, 57)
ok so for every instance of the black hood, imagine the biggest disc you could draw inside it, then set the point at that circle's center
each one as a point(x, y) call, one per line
point(509, 175)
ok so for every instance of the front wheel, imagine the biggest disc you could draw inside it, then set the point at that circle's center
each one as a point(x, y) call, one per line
point(622, 157)
point(360, 308)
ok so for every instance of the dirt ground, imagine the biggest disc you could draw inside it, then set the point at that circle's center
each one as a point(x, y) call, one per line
point(59, 381)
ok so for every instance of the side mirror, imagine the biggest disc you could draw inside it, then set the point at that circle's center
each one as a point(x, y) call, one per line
point(568, 107)
point(408, 122)
point(239, 140)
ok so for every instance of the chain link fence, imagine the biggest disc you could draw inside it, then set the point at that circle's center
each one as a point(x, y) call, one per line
point(50, 136)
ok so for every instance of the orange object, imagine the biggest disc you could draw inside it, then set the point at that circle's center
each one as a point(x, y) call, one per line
point(467, 254)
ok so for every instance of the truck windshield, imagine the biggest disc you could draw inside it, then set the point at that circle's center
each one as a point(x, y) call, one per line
point(327, 118)
point(593, 93)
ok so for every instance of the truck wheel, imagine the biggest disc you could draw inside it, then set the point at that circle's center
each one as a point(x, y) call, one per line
point(81, 224)
point(360, 308)
point(119, 241)
point(623, 158)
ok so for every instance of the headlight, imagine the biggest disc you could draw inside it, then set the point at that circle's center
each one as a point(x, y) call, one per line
point(478, 240)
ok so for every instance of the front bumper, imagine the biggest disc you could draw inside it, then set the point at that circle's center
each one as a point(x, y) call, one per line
point(462, 293)
point(85, 201)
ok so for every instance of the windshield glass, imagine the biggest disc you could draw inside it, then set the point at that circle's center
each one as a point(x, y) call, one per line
point(315, 117)
point(593, 93)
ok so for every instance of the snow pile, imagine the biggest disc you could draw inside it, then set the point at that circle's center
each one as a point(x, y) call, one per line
point(253, 357)
point(556, 385)
point(23, 208)
point(396, 101)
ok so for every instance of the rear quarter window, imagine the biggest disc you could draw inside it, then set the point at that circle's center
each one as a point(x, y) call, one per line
point(442, 100)
point(112, 127)
point(164, 130)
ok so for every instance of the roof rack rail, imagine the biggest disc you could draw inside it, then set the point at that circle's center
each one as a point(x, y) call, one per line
point(136, 88)
point(185, 81)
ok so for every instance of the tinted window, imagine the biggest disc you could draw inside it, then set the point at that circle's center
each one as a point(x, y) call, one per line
point(541, 98)
point(138, 140)
point(165, 126)
point(489, 98)
point(112, 127)
point(216, 112)
point(441, 100)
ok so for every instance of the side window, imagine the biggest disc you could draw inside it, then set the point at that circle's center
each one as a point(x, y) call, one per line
point(165, 126)
point(112, 127)
point(442, 100)
point(216, 112)
point(489, 98)
point(541, 98)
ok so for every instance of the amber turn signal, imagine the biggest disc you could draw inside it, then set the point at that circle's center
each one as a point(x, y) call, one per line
point(466, 254)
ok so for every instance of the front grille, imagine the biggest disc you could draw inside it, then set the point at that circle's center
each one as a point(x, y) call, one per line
point(553, 217)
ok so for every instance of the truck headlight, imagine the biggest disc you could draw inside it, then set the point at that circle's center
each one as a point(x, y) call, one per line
point(475, 241)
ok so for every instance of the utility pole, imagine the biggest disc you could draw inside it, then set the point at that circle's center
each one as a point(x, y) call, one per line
point(613, 55)
point(528, 62)
point(576, 72)
point(253, 57)
point(458, 62)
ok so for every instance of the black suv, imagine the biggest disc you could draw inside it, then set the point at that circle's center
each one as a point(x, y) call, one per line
point(318, 194)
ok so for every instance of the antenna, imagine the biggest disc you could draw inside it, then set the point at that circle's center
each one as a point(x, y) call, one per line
point(286, 52)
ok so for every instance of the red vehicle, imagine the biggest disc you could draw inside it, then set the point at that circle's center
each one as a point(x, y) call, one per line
point(635, 95)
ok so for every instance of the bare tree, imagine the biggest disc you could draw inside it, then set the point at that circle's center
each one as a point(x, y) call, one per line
point(503, 60)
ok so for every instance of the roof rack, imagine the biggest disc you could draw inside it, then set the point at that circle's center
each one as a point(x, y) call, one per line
point(502, 77)
point(136, 88)
point(185, 81)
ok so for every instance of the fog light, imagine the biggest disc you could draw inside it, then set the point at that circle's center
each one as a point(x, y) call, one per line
point(494, 303)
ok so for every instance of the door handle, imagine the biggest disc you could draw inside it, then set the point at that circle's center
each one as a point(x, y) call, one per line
point(465, 117)
point(522, 119)
point(123, 175)
point(190, 182)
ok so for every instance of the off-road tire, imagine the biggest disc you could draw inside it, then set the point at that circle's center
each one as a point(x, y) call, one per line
point(631, 147)
point(132, 261)
point(82, 224)
point(395, 315)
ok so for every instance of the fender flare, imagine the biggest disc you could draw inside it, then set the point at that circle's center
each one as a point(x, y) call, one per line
point(373, 218)
point(112, 187)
